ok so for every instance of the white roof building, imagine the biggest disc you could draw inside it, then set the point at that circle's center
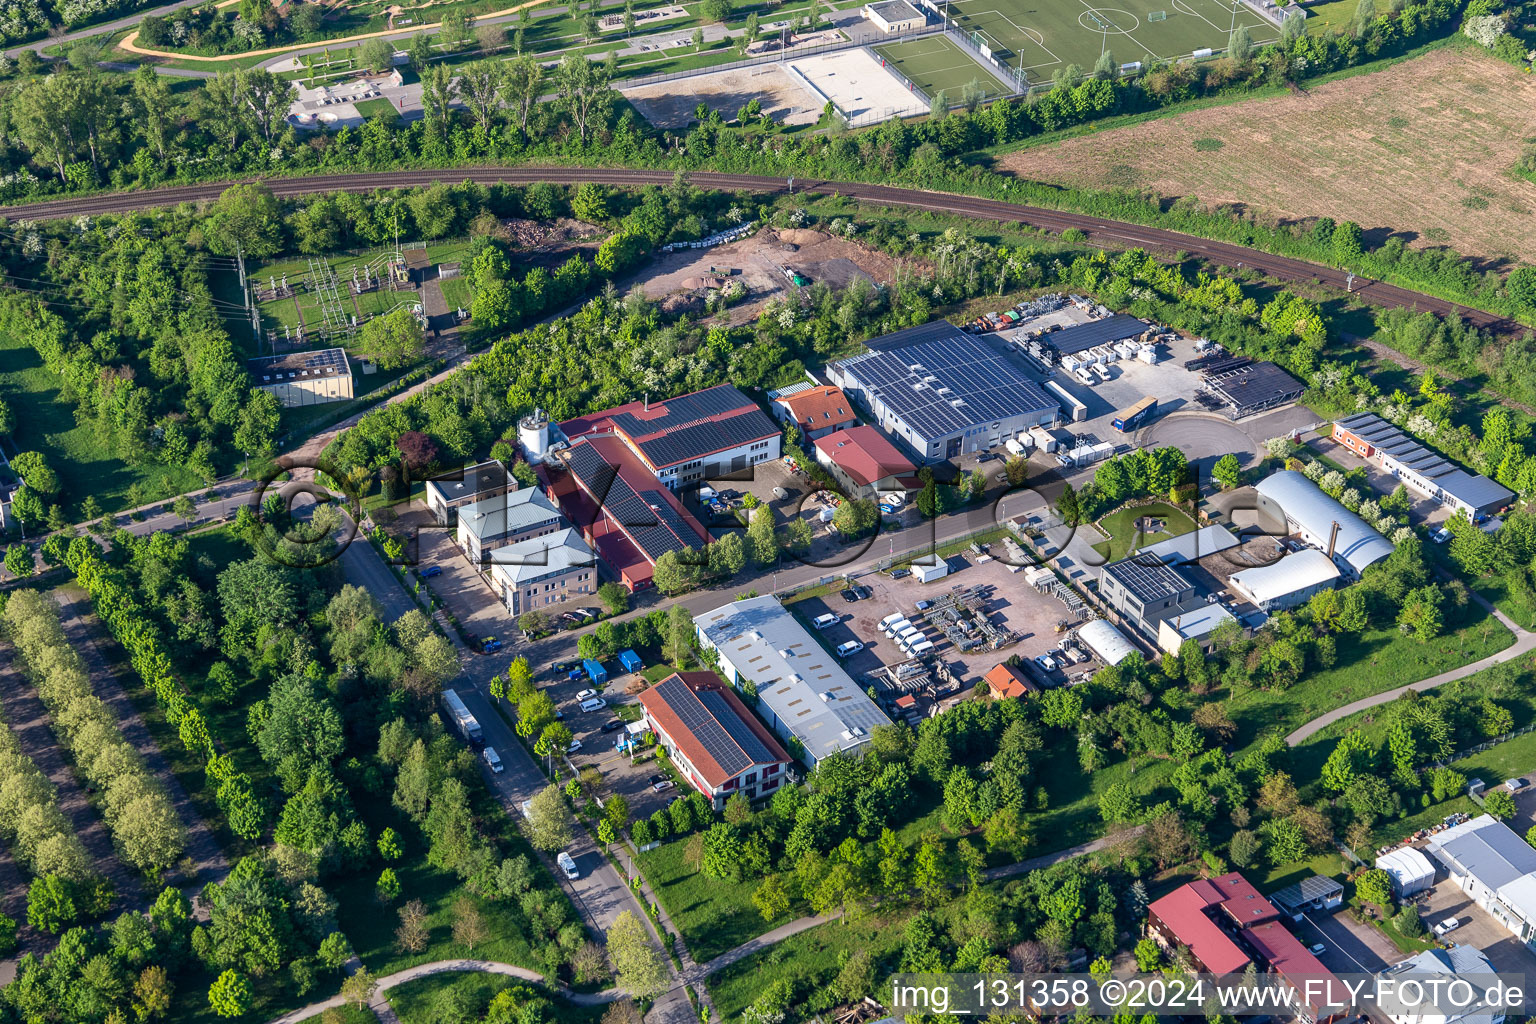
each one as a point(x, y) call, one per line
point(1287, 582)
point(1431, 1004)
point(1305, 509)
point(1411, 871)
point(1106, 641)
point(803, 693)
point(1490, 863)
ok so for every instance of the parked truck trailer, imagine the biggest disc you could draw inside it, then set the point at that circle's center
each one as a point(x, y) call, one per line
point(1137, 415)
point(461, 719)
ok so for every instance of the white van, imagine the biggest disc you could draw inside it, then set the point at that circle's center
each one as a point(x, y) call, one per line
point(895, 629)
point(921, 648)
point(594, 704)
point(568, 865)
point(910, 635)
point(825, 621)
point(492, 760)
point(893, 617)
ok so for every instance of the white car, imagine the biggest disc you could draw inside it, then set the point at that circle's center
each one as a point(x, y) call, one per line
point(1046, 662)
point(662, 786)
point(586, 695)
point(527, 808)
point(1447, 926)
point(575, 746)
point(849, 649)
point(1318, 949)
point(568, 865)
point(595, 704)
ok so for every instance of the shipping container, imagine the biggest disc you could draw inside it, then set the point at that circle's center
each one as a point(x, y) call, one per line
point(1136, 415)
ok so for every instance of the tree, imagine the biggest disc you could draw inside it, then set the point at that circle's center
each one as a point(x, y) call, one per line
point(1375, 886)
point(642, 970)
point(728, 554)
point(376, 55)
point(549, 822)
point(185, 508)
point(1227, 472)
point(393, 340)
point(770, 898)
point(522, 85)
point(246, 220)
point(1244, 848)
point(1500, 803)
point(387, 888)
point(231, 994)
point(1067, 506)
point(469, 927)
point(583, 86)
point(480, 86)
point(1348, 240)
point(18, 560)
point(334, 951)
point(51, 904)
point(256, 428)
point(1240, 44)
point(615, 598)
point(152, 993)
point(359, 988)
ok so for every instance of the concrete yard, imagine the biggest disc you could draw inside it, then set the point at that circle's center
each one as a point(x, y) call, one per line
point(671, 104)
point(861, 88)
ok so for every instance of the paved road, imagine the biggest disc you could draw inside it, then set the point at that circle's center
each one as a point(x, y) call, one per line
point(1525, 643)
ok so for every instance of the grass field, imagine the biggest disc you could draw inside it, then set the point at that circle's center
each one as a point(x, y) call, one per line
point(45, 422)
point(1424, 148)
point(1125, 538)
point(1039, 38)
point(423, 1000)
point(713, 916)
point(935, 65)
point(372, 108)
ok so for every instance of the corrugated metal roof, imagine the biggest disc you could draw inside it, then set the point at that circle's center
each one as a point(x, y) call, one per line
point(1486, 849)
point(1106, 641)
point(1294, 572)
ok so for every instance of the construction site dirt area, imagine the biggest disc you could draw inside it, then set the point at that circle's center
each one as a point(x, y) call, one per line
point(550, 243)
point(671, 104)
point(760, 263)
point(1425, 148)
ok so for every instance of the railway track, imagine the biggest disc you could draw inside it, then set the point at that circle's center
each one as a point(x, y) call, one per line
point(1118, 233)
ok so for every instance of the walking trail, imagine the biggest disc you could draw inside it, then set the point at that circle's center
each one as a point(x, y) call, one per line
point(1525, 642)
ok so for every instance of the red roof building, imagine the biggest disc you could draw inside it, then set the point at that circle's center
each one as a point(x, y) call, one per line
point(720, 746)
point(623, 514)
point(1225, 923)
point(865, 463)
point(817, 411)
point(701, 436)
point(1006, 680)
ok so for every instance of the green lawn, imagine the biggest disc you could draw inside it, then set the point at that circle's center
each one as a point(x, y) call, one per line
point(1329, 865)
point(1125, 538)
point(421, 1000)
point(1073, 814)
point(457, 292)
point(712, 916)
point(935, 65)
point(372, 108)
point(79, 453)
point(807, 960)
point(1380, 659)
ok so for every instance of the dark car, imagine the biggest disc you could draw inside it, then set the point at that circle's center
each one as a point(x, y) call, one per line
point(849, 596)
point(987, 456)
point(862, 593)
point(430, 571)
point(897, 574)
point(613, 726)
point(654, 779)
point(728, 494)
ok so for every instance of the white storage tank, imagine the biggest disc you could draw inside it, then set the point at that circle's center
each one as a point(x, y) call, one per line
point(533, 435)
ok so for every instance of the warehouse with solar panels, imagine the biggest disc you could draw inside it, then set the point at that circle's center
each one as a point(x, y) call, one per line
point(802, 691)
point(941, 392)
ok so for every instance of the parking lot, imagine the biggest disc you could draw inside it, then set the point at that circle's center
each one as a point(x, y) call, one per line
point(1445, 901)
point(1008, 604)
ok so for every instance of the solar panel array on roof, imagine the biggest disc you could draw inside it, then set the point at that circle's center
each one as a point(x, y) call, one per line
point(704, 724)
point(745, 739)
point(1475, 490)
point(942, 381)
point(693, 425)
point(655, 531)
point(1253, 387)
point(1147, 580)
point(1072, 340)
point(325, 362)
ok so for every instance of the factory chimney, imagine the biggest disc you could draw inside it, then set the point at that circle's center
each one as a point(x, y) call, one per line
point(1333, 539)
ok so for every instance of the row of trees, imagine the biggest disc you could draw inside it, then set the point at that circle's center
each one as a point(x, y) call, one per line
point(43, 842)
point(146, 829)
